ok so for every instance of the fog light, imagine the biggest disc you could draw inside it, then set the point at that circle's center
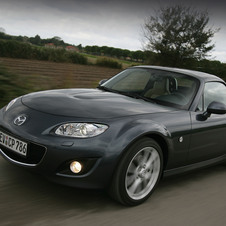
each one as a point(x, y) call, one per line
point(76, 167)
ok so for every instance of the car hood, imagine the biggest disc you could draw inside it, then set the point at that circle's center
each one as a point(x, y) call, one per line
point(89, 103)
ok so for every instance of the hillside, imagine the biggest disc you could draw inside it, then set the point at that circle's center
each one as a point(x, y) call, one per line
point(41, 75)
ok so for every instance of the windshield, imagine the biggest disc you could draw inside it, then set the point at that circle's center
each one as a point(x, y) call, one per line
point(163, 87)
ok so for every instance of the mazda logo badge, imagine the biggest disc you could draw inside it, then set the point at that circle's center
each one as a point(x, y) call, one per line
point(20, 120)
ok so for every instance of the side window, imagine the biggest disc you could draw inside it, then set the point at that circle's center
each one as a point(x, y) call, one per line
point(214, 91)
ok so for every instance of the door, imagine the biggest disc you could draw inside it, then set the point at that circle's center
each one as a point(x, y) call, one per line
point(208, 139)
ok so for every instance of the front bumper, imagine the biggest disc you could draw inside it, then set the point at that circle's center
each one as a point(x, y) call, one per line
point(54, 164)
point(51, 155)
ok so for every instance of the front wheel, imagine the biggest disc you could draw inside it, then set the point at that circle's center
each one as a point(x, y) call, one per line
point(138, 172)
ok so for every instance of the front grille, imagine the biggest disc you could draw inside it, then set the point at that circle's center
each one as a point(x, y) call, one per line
point(34, 155)
point(35, 152)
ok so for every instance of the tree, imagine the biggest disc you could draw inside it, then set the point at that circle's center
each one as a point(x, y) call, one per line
point(57, 41)
point(179, 35)
point(36, 40)
point(137, 55)
point(126, 53)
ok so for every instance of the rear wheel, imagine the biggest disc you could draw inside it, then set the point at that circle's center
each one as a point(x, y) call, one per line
point(138, 172)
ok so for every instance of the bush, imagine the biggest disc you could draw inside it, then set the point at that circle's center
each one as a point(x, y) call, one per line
point(56, 55)
point(106, 62)
point(15, 49)
point(77, 58)
point(213, 67)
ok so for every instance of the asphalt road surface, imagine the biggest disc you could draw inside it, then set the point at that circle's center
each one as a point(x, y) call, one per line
point(198, 198)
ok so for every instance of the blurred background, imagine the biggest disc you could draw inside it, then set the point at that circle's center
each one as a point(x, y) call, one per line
point(62, 44)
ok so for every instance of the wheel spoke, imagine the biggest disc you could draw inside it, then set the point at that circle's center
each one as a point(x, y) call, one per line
point(134, 186)
point(145, 183)
point(131, 169)
point(130, 180)
point(153, 158)
point(152, 177)
point(146, 156)
point(136, 161)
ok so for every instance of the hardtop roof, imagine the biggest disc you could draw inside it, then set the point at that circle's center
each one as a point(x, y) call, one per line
point(197, 74)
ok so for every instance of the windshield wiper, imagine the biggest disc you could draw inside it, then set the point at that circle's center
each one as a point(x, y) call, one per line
point(137, 96)
point(105, 88)
point(129, 94)
point(108, 89)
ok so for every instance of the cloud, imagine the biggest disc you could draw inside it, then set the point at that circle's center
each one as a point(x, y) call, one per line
point(114, 23)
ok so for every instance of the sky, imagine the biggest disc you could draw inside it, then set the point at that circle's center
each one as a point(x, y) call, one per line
point(113, 23)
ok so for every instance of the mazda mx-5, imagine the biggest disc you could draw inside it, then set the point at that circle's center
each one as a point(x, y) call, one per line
point(123, 136)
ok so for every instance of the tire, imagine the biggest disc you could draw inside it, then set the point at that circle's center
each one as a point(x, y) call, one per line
point(138, 173)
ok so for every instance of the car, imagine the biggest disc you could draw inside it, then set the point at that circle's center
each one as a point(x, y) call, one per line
point(140, 125)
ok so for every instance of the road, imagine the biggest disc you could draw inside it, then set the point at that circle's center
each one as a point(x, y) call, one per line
point(198, 198)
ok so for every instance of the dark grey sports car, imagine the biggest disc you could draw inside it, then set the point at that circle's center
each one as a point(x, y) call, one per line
point(123, 136)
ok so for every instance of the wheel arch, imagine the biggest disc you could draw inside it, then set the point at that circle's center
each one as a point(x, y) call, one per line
point(156, 137)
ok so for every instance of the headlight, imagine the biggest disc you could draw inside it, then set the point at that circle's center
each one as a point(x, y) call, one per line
point(80, 130)
point(10, 104)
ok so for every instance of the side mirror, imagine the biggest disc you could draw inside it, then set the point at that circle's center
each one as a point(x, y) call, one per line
point(102, 82)
point(215, 108)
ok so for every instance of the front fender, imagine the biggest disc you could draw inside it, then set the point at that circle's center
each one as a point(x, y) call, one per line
point(172, 131)
point(133, 130)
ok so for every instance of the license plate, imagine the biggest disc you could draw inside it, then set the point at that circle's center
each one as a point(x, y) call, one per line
point(13, 144)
